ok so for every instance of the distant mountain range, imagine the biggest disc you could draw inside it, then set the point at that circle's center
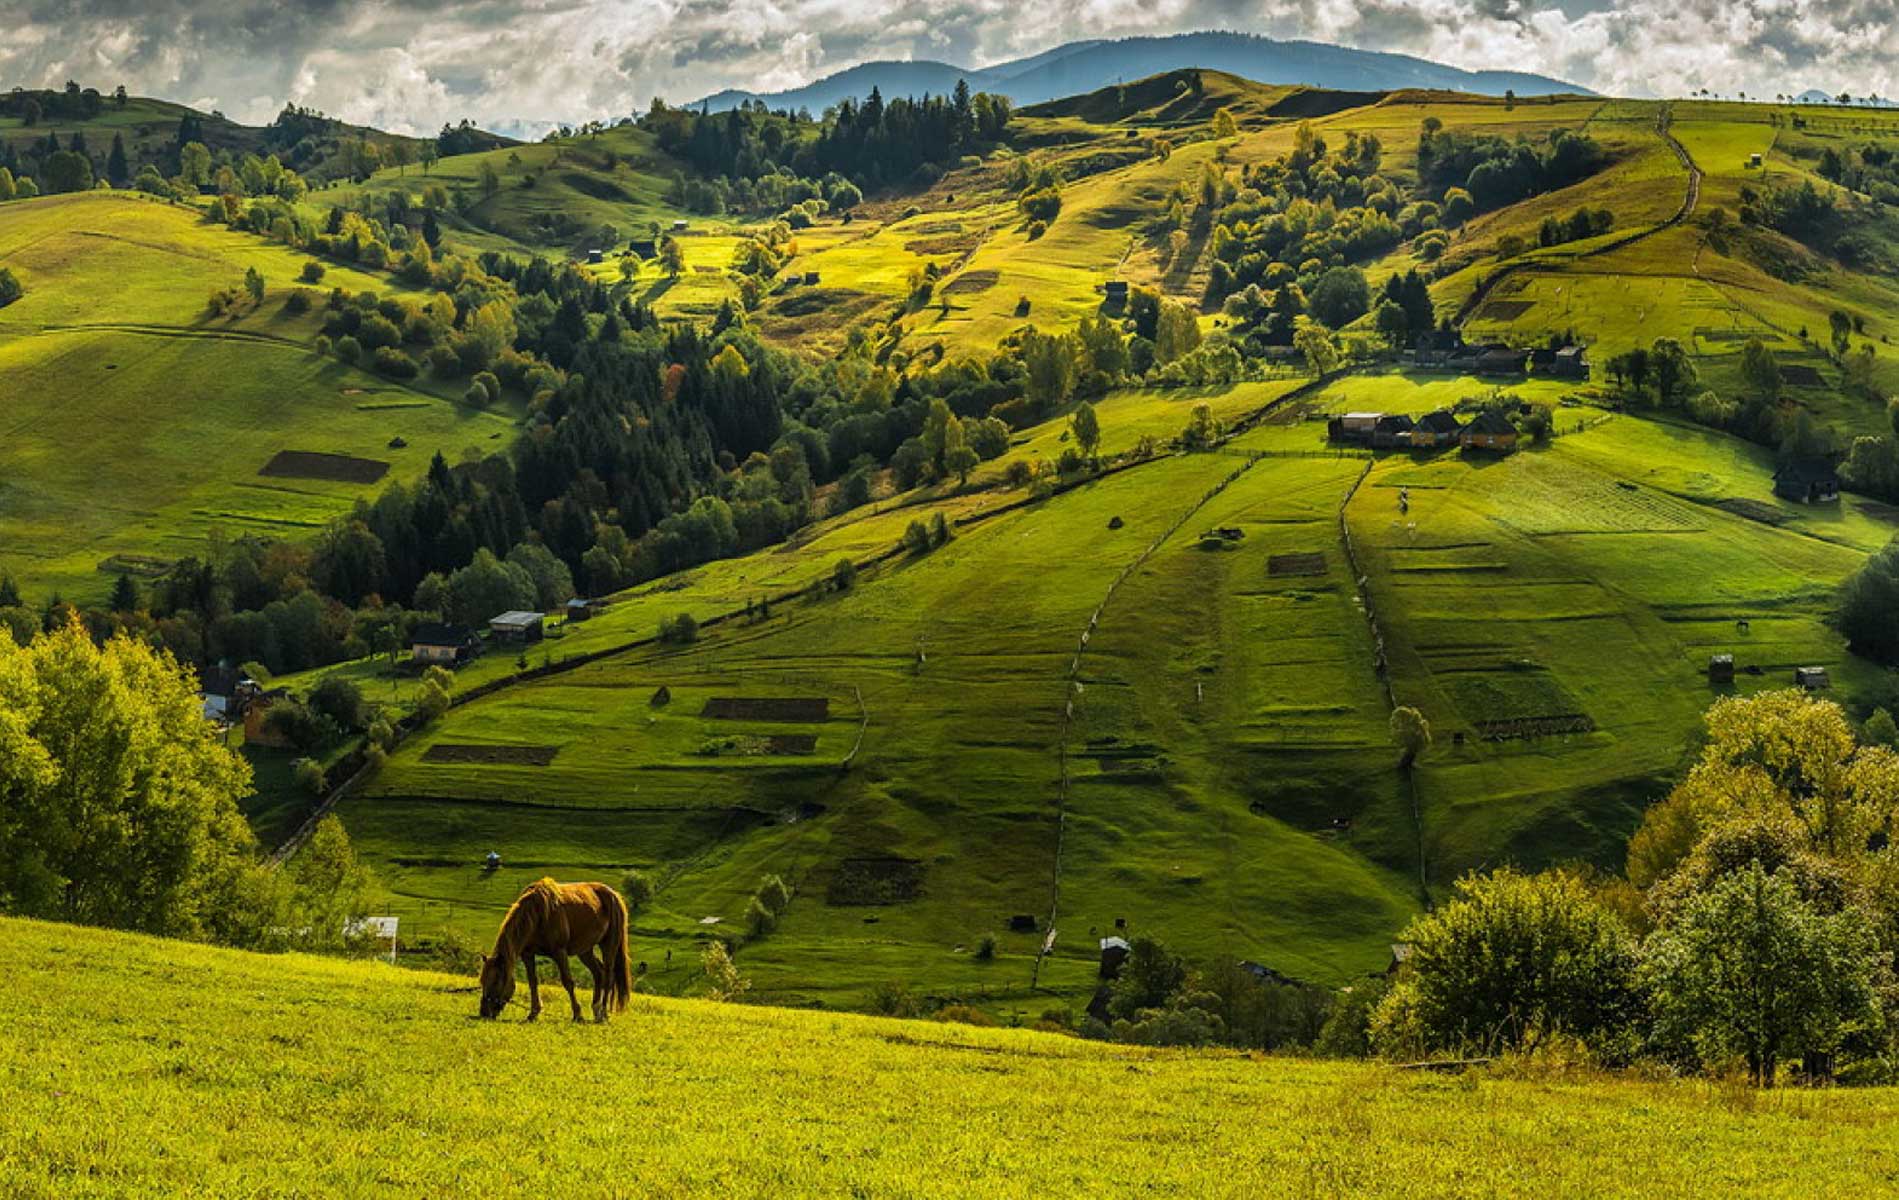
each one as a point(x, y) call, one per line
point(1080, 67)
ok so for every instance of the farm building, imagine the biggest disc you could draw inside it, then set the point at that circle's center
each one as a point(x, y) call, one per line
point(517, 626)
point(1753, 160)
point(1721, 669)
point(1813, 679)
point(578, 609)
point(1116, 290)
point(1438, 428)
point(1571, 362)
point(437, 644)
point(1392, 431)
point(1807, 481)
point(1436, 347)
point(596, 257)
point(644, 247)
point(1491, 430)
point(1500, 360)
point(226, 692)
point(1354, 427)
point(812, 278)
point(681, 226)
point(1114, 952)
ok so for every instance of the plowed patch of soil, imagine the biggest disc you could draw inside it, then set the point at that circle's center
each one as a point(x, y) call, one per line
point(334, 468)
point(875, 881)
point(492, 756)
point(803, 710)
point(1800, 375)
point(1296, 564)
point(1505, 310)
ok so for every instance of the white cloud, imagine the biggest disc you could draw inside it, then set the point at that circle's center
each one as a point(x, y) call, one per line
point(412, 66)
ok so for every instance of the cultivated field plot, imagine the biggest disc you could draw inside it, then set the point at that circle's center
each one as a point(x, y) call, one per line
point(1227, 754)
point(592, 737)
point(1557, 608)
point(334, 468)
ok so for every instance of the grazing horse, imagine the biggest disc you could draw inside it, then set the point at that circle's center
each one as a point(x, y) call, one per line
point(559, 919)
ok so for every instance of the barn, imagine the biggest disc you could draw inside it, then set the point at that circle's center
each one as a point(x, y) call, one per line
point(1491, 430)
point(1807, 481)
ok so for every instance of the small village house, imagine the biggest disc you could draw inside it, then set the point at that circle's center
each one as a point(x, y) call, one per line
point(1116, 291)
point(518, 626)
point(1434, 429)
point(226, 693)
point(1721, 669)
point(578, 610)
point(435, 644)
point(1354, 427)
point(1392, 431)
point(1501, 360)
point(1491, 430)
point(1571, 362)
point(1813, 679)
point(1807, 481)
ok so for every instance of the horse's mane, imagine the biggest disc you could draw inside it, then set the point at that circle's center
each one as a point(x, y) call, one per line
point(528, 910)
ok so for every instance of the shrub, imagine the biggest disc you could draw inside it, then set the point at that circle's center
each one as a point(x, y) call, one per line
point(309, 775)
point(774, 895)
point(395, 364)
point(1510, 961)
point(916, 539)
point(722, 974)
point(678, 630)
point(10, 289)
point(985, 948)
point(294, 723)
point(844, 575)
point(297, 302)
point(349, 350)
point(892, 998)
point(340, 700)
point(759, 920)
point(1037, 229)
point(312, 272)
point(322, 344)
point(964, 1014)
point(636, 888)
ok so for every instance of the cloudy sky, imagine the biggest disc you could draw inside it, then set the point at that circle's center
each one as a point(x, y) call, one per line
point(409, 65)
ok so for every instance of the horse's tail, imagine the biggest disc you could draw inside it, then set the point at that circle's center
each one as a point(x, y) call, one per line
point(618, 960)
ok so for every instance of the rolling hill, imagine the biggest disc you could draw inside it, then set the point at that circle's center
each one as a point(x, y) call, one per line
point(1086, 66)
point(1080, 710)
point(131, 1066)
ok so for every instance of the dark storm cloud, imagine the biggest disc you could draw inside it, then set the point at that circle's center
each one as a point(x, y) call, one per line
point(415, 63)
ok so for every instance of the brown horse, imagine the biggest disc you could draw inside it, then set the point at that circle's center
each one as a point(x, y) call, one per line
point(559, 919)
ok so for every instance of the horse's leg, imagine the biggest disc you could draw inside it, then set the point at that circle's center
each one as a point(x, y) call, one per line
point(597, 969)
point(567, 981)
point(534, 985)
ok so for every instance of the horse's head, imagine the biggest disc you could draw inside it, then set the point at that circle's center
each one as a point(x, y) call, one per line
point(497, 985)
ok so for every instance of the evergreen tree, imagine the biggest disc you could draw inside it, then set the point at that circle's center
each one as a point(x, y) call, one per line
point(117, 169)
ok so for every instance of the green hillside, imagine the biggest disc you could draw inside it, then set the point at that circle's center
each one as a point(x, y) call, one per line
point(135, 421)
point(131, 1066)
point(1157, 694)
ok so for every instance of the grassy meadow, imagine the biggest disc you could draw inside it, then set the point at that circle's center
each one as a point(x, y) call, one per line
point(111, 369)
point(133, 1067)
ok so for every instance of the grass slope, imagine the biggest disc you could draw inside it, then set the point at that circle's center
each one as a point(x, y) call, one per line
point(112, 370)
point(131, 1066)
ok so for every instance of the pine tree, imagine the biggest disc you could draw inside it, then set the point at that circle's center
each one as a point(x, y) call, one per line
point(124, 595)
point(9, 592)
point(117, 170)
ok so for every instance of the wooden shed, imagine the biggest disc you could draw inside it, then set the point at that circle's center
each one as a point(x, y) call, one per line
point(1721, 669)
point(1814, 679)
